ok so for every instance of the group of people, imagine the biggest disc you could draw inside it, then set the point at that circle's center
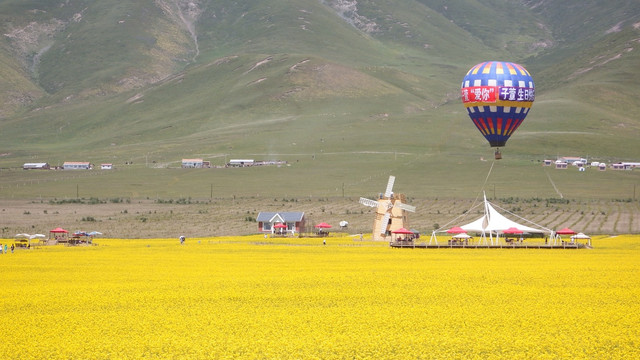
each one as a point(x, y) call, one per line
point(516, 241)
point(408, 238)
point(454, 241)
point(5, 248)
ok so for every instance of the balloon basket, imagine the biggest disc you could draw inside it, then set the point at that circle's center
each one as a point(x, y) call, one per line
point(498, 155)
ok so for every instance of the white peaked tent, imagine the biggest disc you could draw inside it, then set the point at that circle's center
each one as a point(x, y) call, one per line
point(492, 223)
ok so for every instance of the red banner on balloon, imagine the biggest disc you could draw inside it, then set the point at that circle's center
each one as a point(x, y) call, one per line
point(479, 94)
point(491, 94)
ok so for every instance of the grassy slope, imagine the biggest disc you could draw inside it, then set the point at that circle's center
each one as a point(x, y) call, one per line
point(16, 89)
point(344, 108)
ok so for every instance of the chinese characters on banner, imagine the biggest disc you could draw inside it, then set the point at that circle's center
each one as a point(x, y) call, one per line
point(491, 94)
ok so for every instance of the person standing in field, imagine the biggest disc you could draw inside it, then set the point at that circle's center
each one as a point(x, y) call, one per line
point(182, 239)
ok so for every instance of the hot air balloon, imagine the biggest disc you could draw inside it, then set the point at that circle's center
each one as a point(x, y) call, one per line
point(498, 96)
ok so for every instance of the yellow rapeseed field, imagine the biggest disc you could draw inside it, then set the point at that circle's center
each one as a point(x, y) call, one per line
point(256, 298)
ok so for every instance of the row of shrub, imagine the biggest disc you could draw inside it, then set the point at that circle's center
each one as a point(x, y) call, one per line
point(89, 201)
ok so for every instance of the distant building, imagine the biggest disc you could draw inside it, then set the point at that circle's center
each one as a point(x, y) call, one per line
point(270, 162)
point(573, 159)
point(561, 164)
point(547, 162)
point(602, 166)
point(36, 166)
point(106, 166)
point(294, 222)
point(625, 166)
point(77, 165)
point(195, 163)
point(241, 162)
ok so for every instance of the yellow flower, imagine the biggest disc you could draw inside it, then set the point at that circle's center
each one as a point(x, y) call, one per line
point(247, 298)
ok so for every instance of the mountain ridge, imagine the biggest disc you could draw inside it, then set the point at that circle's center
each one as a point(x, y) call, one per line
point(83, 70)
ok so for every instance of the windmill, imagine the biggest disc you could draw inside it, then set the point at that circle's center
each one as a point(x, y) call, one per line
point(391, 212)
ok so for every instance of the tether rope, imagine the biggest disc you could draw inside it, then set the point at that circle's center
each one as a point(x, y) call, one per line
point(473, 204)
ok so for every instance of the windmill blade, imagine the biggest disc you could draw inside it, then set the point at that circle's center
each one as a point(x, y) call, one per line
point(388, 191)
point(384, 223)
point(405, 207)
point(368, 202)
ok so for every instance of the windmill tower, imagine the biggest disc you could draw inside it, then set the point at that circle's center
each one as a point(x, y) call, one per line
point(391, 212)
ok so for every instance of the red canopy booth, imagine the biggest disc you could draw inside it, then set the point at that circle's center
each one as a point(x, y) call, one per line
point(59, 235)
point(565, 231)
point(402, 231)
point(280, 227)
point(322, 228)
point(512, 231)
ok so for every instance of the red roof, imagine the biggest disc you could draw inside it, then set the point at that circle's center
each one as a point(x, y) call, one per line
point(402, 231)
point(565, 231)
point(512, 230)
point(456, 230)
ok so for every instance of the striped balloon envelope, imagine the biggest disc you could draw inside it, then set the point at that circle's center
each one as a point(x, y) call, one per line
point(498, 96)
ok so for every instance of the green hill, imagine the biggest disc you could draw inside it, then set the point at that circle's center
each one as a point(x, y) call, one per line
point(345, 91)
